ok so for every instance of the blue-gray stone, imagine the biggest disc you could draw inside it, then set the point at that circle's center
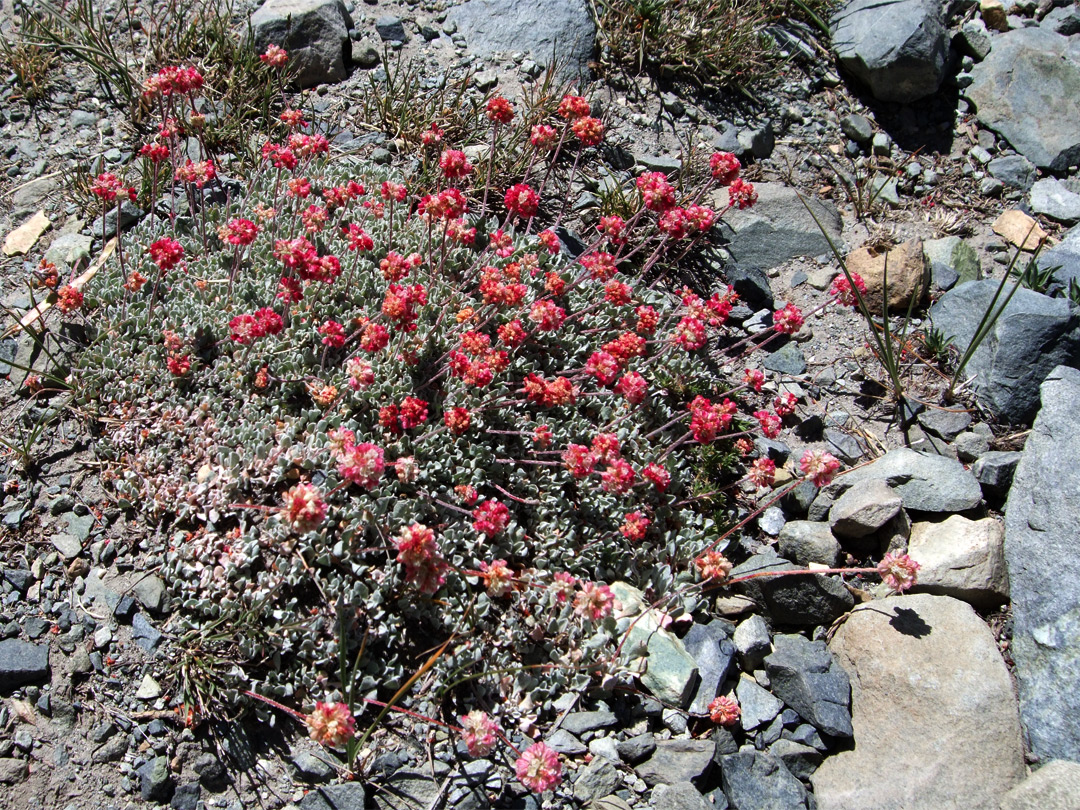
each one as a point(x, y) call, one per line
point(22, 663)
point(579, 723)
point(145, 634)
point(757, 704)
point(713, 651)
point(155, 783)
point(390, 28)
point(805, 676)
point(1015, 171)
point(788, 359)
point(994, 470)
point(756, 781)
point(314, 32)
point(805, 600)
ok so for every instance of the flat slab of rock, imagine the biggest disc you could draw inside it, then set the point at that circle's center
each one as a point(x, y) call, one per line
point(21, 663)
point(864, 508)
point(804, 675)
point(1057, 199)
point(1041, 517)
point(808, 541)
point(676, 761)
point(314, 32)
point(540, 28)
point(1028, 90)
point(934, 714)
point(898, 49)
point(777, 228)
point(1034, 334)
point(962, 558)
point(801, 600)
point(1055, 786)
point(756, 781)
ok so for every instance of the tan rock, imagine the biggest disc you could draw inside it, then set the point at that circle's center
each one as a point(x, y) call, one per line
point(20, 240)
point(994, 15)
point(907, 270)
point(1019, 230)
point(1055, 786)
point(935, 718)
point(962, 558)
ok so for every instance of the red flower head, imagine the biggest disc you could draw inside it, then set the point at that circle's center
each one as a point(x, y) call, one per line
point(724, 167)
point(499, 110)
point(573, 107)
point(454, 164)
point(522, 201)
point(543, 137)
point(590, 131)
point(741, 194)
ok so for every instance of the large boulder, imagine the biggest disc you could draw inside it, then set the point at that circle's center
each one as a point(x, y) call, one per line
point(1034, 334)
point(897, 49)
point(1055, 786)
point(1028, 90)
point(314, 32)
point(778, 227)
point(1041, 517)
point(935, 718)
point(562, 30)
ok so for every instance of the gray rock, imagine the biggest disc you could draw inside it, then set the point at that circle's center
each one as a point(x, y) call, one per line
point(1028, 91)
point(542, 29)
point(973, 39)
point(924, 483)
point(805, 542)
point(80, 526)
point(844, 446)
point(1057, 199)
point(951, 261)
point(1054, 786)
point(800, 600)
point(310, 767)
point(150, 591)
point(390, 28)
point(1041, 516)
point(579, 723)
point(680, 796)
point(314, 32)
point(772, 521)
point(365, 55)
point(68, 249)
point(186, 797)
point(805, 676)
point(758, 705)
point(933, 710)
point(947, 424)
point(607, 747)
point(348, 796)
point(713, 652)
point(757, 781)
point(857, 127)
point(758, 142)
point(1034, 334)
point(801, 760)
point(597, 780)
point(564, 742)
point(408, 789)
point(638, 748)
point(773, 449)
point(778, 228)
point(751, 284)
point(1064, 20)
point(676, 761)
point(22, 663)
point(145, 634)
point(864, 508)
point(994, 471)
point(970, 445)
point(113, 750)
point(898, 49)
point(1015, 171)
point(67, 545)
point(13, 771)
point(155, 783)
point(752, 642)
point(1064, 258)
point(788, 359)
point(653, 163)
point(962, 558)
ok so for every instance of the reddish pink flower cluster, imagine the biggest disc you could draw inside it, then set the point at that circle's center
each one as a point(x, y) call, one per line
point(819, 467)
point(754, 378)
point(498, 578)
point(762, 472)
point(239, 232)
point(454, 164)
point(741, 194)
point(275, 56)
point(245, 329)
point(499, 110)
point(573, 107)
point(107, 186)
point(594, 601)
point(656, 191)
point(419, 553)
point(522, 201)
point(724, 167)
point(708, 419)
point(478, 732)
point(538, 768)
point(634, 527)
point(333, 334)
point(788, 320)
point(68, 299)
point(457, 420)
point(633, 387)
point(658, 475)
point(769, 422)
point(845, 293)
point(401, 305)
point(448, 204)
point(331, 724)
point(713, 566)
point(361, 464)
point(679, 223)
point(304, 508)
point(198, 172)
point(784, 405)
point(725, 711)
point(590, 131)
point(543, 137)
point(172, 80)
point(166, 253)
point(491, 517)
point(898, 571)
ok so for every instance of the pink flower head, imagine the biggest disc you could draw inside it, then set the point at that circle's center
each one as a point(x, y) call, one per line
point(675, 224)
point(843, 291)
point(725, 711)
point(68, 298)
point(358, 237)
point(499, 110)
point(724, 167)
point(362, 464)
point(374, 338)
point(633, 387)
point(762, 472)
point(293, 119)
point(155, 152)
point(562, 587)
point(594, 601)
point(419, 553)
point(166, 253)
point(478, 732)
point(618, 478)
point(659, 476)
point(543, 137)
point(394, 191)
point(754, 378)
point(333, 334)
point(658, 193)
point(239, 232)
point(361, 374)
point(432, 136)
point(769, 422)
point(741, 194)
point(200, 173)
point(613, 228)
point(331, 724)
point(491, 517)
point(538, 768)
point(573, 107)
point(634, 527)
point(542, 437)
point(522, 201)
point(708, 419)
point(788, 320)
point(713, 566)
point(590, 131)
point(898, 571)
point(454, 164)
point(784, 405)
point(498, 578)
point(304, 508)
point(178, 366)
point(819, 467)
point(275, 56)
point(605, 446)
point(457, 420)
point(550, 241)
point(412, 412)
point(501, 243)
point(579, 460)
point(603, 367)
point(547, 315)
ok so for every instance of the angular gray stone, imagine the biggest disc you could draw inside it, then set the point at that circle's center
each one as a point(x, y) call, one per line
point(788, 359)
point(676, 761)
point(681, 796)
point(973, 39)
point(1015, 171)
point(994, 471)
point(864, 508)
point(962, 558)
point(805, 676)
point(348, 796)
point(22, 663)
point(564, 742)
point(1064, 258)
point(933, 710)
point(311, 767)
point(390, 28)
point(542, 29)
point(753, 642)
point(806, 541)
point(13, 771)
point(758, 705)
point(1041, 517)
point(713, 652)
point(67, 249)
point(637, 748)
point(924, 483)
point(954, 255)
point(146, 636)
point(756, 781)
point(948, 424)
point(801, 600)
point(1055, 786)
point(1057, 199)
point(597, 780)
point(777, 228)
point(1034, 334)
point(155, 783)
point(857, 127)
point(897, 49)
point(801, 760)
point(314, 32)
point(1063, 20)
point(579, 723)
point(844, 446)
point(1028, 90)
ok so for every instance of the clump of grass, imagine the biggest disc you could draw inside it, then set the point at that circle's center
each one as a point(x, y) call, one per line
point(712, 45)
point(29, 62)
